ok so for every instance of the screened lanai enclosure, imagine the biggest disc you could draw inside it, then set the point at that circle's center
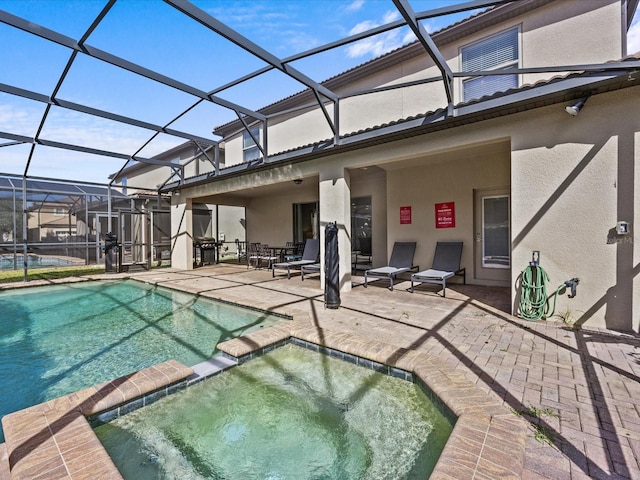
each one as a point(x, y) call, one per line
point(47, 223)
point(127, 84)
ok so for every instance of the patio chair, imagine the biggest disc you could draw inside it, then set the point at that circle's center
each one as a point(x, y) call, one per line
point(308, 269)
point(446, 264)
point(401, 261)
point(363, 253)
point(268, 255)
point(310, 255)
point(296, 252)
point(253, 254)
point(241, 250)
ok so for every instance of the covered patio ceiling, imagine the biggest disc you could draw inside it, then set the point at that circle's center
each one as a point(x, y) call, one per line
point(189, 104)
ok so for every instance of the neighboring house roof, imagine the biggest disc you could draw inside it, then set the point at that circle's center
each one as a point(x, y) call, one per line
point(527, 97)
point(183, 151)
point(167, 155)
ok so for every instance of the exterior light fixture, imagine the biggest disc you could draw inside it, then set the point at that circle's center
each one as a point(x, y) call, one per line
point(297, 181)
point(575, 107)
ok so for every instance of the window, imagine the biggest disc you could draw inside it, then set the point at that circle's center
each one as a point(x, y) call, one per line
point(250, 150)
point(59, 211)
point(498, 52)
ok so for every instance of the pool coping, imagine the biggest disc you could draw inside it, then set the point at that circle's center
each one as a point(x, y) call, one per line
point(55, 440)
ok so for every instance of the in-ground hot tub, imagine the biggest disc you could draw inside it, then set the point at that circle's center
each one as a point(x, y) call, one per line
point(288, 413)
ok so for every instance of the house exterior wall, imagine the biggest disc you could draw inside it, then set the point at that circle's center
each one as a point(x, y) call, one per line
point(571, 178)
point(270, 220)
point(595, 36)
point(450, 177)
point(150, 176)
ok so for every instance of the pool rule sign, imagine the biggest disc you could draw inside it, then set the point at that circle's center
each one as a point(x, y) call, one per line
point(405, 215)
point(446, 215)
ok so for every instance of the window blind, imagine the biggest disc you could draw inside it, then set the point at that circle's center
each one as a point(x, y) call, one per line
point(479, 86)
point(492, 52)
point(496, 52)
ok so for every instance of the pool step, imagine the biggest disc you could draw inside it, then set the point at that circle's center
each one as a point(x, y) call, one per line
point(212, 367)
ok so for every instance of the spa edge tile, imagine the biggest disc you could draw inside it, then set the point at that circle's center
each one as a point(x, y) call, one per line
point(466, 458)
point(80, 458)
point(450, 468)
point(475, 421)
point(31, 457)
point(37, 435)
point(19, 427)
point(81, 438)
point(466, 439)
point(511, 460)
point(59, 473)
point(487, 470)
point(103, 470)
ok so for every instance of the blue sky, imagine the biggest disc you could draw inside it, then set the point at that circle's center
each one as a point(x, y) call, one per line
point(154, 35)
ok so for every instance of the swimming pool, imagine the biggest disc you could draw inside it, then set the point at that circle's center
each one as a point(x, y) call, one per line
point(289, 414)
point(33, 261)
point(57, 339)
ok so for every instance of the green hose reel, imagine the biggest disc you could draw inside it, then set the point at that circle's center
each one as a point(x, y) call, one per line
point(534, 302)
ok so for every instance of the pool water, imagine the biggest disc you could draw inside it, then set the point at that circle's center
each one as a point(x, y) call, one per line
point(55, 340)
point(33, 261)
point(290, 414)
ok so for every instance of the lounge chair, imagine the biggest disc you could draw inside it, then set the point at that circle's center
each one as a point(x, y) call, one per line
point(401, 261)
point(446, 264)
point(309, 269)
point(310, 255)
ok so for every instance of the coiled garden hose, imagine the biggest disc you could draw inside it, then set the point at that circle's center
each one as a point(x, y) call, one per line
point(534, 303)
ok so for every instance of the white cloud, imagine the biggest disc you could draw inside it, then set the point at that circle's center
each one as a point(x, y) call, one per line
point(75, 129)
point(355, 6)
point(390, 16)
point(19, 119)
point(633, 36)
point(378, 44)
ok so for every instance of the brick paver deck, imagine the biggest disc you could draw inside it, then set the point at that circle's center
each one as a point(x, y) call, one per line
point(577, 390)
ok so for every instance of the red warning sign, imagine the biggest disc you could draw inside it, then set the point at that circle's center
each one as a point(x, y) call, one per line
point(445, 215)
point(405, 215)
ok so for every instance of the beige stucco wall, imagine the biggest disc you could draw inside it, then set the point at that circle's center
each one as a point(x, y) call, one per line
point(572, 180)
point(450, 176)
point(270, 219)
point(565, 32)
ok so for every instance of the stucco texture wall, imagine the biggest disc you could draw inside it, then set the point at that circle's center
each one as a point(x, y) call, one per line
point(572, 180)
point(270, 219)
point(446, 177)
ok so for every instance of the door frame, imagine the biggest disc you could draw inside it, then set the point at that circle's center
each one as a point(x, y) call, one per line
point(496, 276)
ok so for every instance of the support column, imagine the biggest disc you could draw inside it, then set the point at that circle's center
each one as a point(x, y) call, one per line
point(181, 232)
point(335, 206)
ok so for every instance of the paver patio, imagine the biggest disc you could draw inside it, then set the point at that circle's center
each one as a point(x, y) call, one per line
point(579, 389)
